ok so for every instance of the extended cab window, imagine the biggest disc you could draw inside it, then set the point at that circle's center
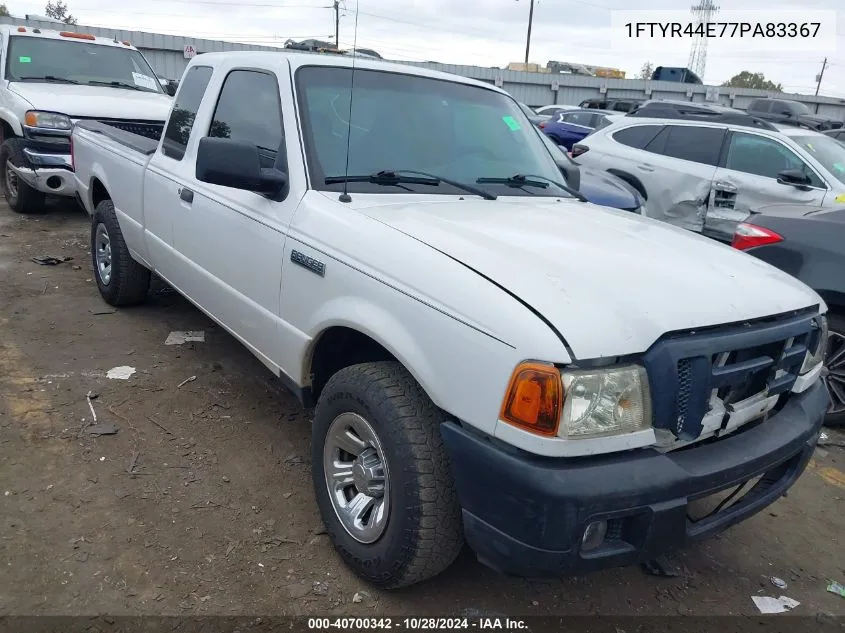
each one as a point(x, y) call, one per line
point(689, 142)
point(766, 157)
point(181, 119)
point(249, 110)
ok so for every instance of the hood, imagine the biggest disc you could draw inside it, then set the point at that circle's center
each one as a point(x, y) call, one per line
point(611, 282)
point(816, 118)
point(94, 101)
point(607, 190)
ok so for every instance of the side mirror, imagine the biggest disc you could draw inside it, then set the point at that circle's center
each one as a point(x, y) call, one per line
point(170, 89)
point(794, 178)
point(570, 170)
point(237, 164)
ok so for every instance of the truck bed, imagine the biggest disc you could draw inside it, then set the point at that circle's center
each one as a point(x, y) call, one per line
point(142, 144)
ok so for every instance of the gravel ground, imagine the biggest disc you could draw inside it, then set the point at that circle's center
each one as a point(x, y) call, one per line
point(201, 503)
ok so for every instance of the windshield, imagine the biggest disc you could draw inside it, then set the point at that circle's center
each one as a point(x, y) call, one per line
point(31, 59)
point(406, 122)
point(827, 151)
point(799, 108)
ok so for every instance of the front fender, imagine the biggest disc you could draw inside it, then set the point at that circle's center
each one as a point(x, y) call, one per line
point(11, 120)
point(464, 371)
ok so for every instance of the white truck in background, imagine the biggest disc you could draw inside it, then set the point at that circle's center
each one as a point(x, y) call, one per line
point(493, 359)
point(51, 80)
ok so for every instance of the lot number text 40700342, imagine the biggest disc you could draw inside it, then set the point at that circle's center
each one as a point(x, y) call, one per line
point(417, 624)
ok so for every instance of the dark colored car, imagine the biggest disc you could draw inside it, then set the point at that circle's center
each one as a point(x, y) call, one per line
point(790, 112)
point(675, 73)
point(567, 128)
point(616, 105)
point(808, 243)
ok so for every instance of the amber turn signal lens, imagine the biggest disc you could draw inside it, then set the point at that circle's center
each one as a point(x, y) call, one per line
point(534, 399)
point(30, 119)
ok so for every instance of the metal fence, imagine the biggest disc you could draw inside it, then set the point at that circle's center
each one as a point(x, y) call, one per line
point(166, 55)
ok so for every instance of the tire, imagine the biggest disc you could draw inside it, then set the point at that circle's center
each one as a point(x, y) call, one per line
point(423, 532)
point(123, 281)
point(20, 196)
point(836, 343)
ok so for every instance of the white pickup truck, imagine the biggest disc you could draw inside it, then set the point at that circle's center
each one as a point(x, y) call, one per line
point(492, 360)
point(51, 80)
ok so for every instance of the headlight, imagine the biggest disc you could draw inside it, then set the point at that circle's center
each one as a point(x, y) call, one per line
point(50, 120)
point(605, 402)
point(577, 404)
point(818, 345)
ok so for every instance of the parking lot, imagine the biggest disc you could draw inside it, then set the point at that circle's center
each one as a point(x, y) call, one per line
point(202, 502)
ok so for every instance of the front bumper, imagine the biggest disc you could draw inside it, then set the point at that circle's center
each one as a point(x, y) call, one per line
point(49, 165)
point(525, 514)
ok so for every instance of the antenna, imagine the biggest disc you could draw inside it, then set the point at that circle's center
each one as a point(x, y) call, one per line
point(702, 11)
point(345, 197)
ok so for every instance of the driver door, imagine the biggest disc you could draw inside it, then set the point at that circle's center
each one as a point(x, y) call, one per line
point(748, 179)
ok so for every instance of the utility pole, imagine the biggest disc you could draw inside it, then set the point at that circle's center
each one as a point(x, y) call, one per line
point(528, 38)
point(819, 76)
point(337, 24)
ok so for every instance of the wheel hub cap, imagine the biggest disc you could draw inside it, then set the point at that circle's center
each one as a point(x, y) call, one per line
point(102, 253)
point(833, 372)
point(357, 477)
point(11, 180)
point(368, 473)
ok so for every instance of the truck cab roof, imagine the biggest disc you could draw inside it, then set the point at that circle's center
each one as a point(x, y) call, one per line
point(26, 31)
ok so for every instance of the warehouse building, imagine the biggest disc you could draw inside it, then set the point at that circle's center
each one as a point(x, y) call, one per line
point(170, 54)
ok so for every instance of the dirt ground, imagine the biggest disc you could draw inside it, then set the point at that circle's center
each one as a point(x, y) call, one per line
point(202, 502)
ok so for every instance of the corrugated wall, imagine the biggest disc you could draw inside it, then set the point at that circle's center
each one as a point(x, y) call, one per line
point(165, 54)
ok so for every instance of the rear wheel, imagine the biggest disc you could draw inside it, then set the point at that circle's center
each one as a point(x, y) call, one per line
point(833, 373)
point(382, 478)
point(122, 281)
point(20, 196)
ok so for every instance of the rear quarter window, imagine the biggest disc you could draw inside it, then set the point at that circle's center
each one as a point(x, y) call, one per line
point(637, 136)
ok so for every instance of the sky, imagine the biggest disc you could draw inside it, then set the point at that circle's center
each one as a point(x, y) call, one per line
point(472, 32)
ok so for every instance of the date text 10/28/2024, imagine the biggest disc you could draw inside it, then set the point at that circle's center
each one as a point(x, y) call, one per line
point(417, 624)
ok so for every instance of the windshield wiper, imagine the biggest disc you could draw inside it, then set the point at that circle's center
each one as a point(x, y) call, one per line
point(115, 84)
point(396, 178)
point(61, 80)
point(525, 180)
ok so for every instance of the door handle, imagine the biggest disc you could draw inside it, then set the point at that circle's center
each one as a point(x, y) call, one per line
point(186, 195)
point(723, 185)
point(645, 167)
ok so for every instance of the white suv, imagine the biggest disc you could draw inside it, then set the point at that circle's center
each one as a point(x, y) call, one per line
point(707, 176)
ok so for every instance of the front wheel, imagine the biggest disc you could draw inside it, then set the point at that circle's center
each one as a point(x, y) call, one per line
point(833, 372)
point(381, 476)
point(19, 195)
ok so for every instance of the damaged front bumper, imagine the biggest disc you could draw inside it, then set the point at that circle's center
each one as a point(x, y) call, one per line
point(50, 173)
point(531, 516)
point(49, 167)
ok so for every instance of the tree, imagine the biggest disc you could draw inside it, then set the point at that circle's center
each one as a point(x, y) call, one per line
point(747, 79)
point(58, 11)
point(647, 70)
point(4, 11)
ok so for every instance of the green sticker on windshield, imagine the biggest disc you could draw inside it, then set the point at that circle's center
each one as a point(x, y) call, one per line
point(511, 123)
point(839, 166)
point(24, 60)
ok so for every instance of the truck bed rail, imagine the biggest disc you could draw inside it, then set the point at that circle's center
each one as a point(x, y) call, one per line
point(139, 143)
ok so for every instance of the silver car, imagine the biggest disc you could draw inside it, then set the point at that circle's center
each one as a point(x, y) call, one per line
point(709, 176)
